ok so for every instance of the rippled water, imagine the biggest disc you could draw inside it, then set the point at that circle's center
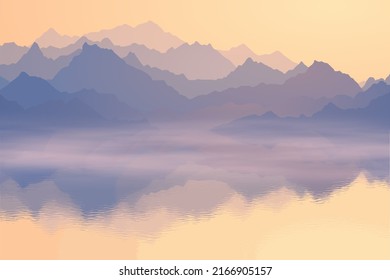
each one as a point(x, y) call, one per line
point(180, 193)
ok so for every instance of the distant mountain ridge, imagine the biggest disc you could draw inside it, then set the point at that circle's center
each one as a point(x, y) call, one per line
point(304, 93)
point(276, 60)
point(103, 71)
point(195, 61)
point(30, 91)
point(52, 38)
point(249, 74)
point(33, 100)
point(11, 53)
point(375, 116)
point(149, 34)
point(36, 64)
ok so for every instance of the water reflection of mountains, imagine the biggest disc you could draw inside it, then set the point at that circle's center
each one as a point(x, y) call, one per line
point(70, 168)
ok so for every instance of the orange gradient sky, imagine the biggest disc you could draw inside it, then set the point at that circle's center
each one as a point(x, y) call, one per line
point(353, 36)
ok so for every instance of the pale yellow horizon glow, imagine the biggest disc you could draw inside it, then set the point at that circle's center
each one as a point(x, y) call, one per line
point(352, 36)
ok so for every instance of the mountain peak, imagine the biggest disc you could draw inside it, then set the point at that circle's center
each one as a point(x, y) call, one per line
point(269, 115)
point(88, 47)
point(107, 41)
point(149, 25)
point(33, 53)
point(51, 31)
point(320, 66)
point(249, 61)
point(23, 75)
point(35, 47)
point(279, 53)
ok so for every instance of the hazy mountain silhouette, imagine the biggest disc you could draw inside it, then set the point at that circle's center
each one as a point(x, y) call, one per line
point(75, 47)
point(252, 73)
point(195, 61)
point(238, 55)
point(51, 38)
point(388, 80)
point(330, 118)
point(104, 71)
point(299, 69)
point(376, 113)
point(132, 60)
point(30, 91)
point(148, 34)
point(371, 81)
point(305, 94)
point(321, 80)
point(9, 110)
point(107, 105)
point(249, 74)
point(362, 99)
point(276, 60)
point(3, 82)
point(71, 112)
point(36, 64)
point(11, 53)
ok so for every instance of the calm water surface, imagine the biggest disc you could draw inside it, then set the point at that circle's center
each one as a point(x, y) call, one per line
point(181, 193)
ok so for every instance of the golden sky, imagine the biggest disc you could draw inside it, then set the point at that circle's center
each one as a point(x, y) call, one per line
point(353, 36)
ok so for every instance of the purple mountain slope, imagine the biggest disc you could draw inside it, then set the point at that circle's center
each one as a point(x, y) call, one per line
point(253, 73)
point(3, 82)
point(371, 81)
point(36, 64)
point(56, 52)
point(321, 80)
point(305, 93)
point(38, 97)
point(195, 61)
point(249, 74)
point(30, 91)
point(374, 116)
point(9, 110)
point(11, 53)
point(103, 71)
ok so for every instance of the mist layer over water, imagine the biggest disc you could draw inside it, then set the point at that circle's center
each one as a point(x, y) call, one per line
point(183, 192)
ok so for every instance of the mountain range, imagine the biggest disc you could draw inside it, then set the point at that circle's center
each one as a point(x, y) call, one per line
point(118, 75)
point(35, 63)
point(105, 72)
point(52, 38)
point(195, 61)
point(375, 116)
point(249, 74)
point(11, 53)
point(276, 60)
point(33, 99)
point(304, 93)
point(148, 34)
point(153, 46)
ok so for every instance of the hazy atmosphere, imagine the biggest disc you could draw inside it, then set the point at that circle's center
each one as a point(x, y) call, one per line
point(350, 35)
point(194, 130)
